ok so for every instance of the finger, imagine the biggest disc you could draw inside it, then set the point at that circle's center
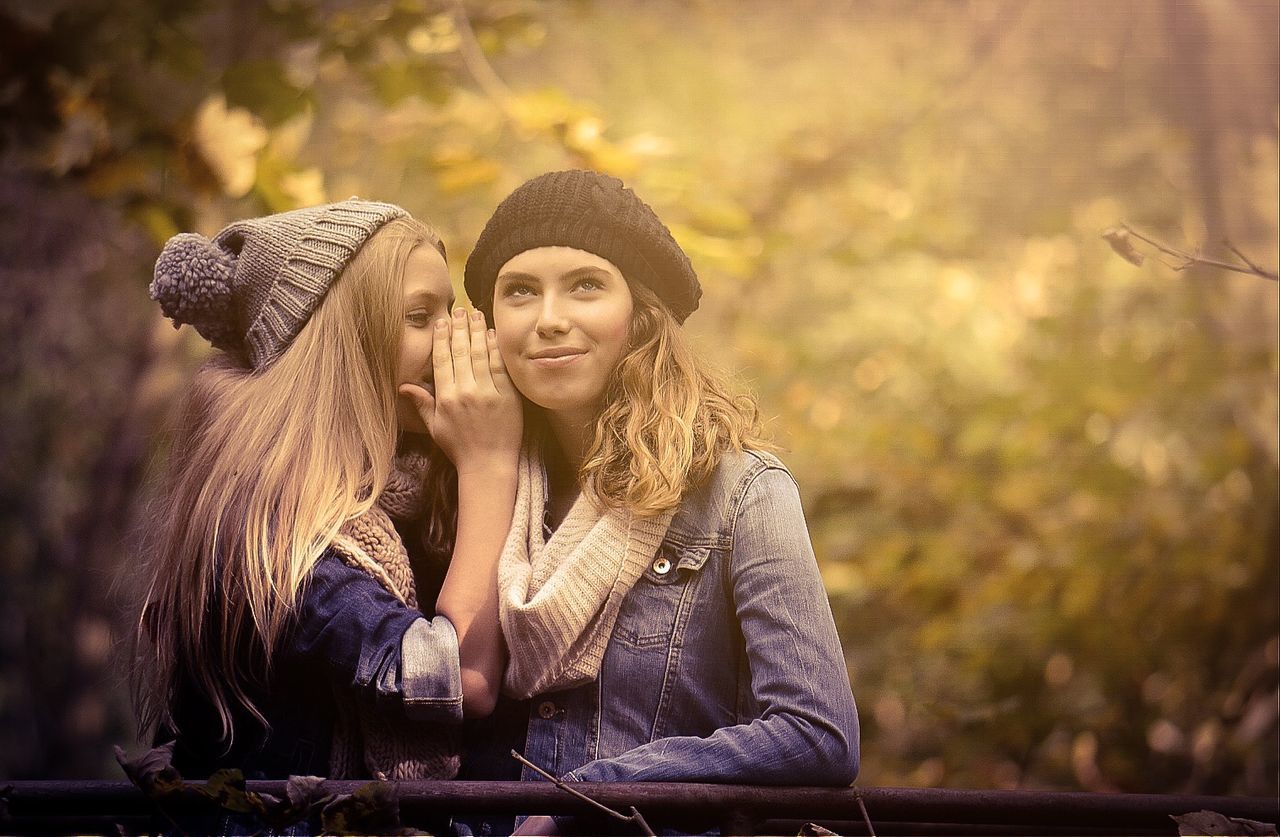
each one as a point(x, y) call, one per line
point(422, 401)
point(479, 351)
point(497, 369)
point(442, 359)
point(460, 345)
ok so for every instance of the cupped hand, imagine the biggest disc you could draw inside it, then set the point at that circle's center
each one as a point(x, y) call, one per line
point(475, 414)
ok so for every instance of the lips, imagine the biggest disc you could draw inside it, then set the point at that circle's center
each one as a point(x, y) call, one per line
point(556, 357)
point(556, 352)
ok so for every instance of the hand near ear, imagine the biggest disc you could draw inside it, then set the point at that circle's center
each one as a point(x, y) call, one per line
point(475, 412)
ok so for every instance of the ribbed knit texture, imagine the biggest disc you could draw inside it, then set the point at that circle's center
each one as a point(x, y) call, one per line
point(589, 211)
point(559, 598)
point(369, 741)
point(252, 288)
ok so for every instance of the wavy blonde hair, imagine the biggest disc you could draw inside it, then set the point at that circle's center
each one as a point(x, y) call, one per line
point(264, 467)
point(668, 418)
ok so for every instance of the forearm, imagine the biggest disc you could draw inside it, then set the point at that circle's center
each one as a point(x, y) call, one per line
point(782, 749)
point(469, 595)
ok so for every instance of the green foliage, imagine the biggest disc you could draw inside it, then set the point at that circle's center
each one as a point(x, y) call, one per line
point(1041, 480)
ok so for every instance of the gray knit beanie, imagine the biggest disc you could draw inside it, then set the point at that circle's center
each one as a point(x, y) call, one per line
point(250, 290)
point(592, 212)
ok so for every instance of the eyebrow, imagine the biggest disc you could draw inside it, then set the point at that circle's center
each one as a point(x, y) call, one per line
point(427, 296)
point(576, 273)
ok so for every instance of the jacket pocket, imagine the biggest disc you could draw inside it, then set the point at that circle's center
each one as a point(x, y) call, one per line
point(655, 610)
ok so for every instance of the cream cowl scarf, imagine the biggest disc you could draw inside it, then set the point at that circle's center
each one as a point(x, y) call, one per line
point(558, 598)
point(369, 740)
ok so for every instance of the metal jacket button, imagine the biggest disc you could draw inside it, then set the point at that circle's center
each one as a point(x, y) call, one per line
point(661, 566)
point(546, 710)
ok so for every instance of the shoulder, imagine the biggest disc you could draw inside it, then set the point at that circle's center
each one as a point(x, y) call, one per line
point(709, 512)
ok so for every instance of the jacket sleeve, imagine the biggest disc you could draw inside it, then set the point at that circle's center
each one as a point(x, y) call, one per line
point(372, 644)
point(806, 727)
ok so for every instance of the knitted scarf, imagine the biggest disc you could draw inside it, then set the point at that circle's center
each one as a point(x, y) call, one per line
point(559, 597)
point(367, 741)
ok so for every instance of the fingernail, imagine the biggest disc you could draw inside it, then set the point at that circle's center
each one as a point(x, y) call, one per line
point(459, 312)
point(441, 323)
point(477, 316)
point(493, 333)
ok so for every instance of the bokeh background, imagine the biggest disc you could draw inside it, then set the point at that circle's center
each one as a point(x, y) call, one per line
point(1041, 480)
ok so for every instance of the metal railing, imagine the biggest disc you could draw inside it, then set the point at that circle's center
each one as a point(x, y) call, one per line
point(47, 807)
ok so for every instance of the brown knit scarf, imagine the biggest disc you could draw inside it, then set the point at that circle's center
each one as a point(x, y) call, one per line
point(368, 742)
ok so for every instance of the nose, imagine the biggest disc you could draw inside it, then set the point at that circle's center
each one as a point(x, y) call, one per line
point(551, 318)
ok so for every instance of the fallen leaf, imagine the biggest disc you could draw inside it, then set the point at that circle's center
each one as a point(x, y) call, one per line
point(153, 771)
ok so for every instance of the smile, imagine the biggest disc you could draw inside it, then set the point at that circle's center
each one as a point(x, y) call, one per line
point(556, 357)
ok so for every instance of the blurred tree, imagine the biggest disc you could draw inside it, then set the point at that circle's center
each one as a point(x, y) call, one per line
point(1042, 482)
point(121, 124)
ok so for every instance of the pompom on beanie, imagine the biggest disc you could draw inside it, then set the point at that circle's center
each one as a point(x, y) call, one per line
point(589, 211)
point(252, 287)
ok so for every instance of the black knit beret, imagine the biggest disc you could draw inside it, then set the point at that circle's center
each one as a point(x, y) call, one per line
point(592, 212)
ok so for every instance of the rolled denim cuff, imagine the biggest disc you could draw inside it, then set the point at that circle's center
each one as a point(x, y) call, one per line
point(430, 674)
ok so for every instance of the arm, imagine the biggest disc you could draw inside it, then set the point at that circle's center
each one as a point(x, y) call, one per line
point(475, 418)
point(371, 643)
point(806, 727)
point(469, 596)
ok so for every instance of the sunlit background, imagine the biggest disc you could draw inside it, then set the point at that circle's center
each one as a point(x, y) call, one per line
point(1041, 480)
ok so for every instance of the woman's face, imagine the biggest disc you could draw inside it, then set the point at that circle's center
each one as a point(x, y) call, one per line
point(562, 316)
point(428, 296)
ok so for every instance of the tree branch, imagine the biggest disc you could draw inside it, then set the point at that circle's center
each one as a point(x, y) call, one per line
point(1119, 239)
point(479, 67)
point(635, 817)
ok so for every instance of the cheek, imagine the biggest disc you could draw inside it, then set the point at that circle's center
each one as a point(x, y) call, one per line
point(415, 356)
point(510, 334)
point(617, 332)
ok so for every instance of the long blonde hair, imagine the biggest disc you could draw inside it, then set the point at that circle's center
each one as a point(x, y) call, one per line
point(668, 418)
point(264, 468)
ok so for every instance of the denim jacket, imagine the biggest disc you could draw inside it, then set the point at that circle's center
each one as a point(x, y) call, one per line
point(350, 641)
point(724, 664)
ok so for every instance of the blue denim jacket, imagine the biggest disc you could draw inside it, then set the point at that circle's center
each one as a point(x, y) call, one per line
point(724, 664)
point(350, 641)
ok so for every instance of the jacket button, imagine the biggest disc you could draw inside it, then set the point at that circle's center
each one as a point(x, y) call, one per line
point(661, 566)
point(546, 710)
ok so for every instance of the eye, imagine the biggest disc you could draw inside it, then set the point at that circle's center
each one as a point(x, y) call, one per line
point(517, 289)
point(418, 317)
point(589, 285)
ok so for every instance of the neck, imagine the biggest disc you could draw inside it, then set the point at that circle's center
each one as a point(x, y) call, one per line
point(562, 457)
point(572, 432)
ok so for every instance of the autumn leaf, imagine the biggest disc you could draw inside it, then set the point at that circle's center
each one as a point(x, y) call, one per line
point(374, 808)
point(153, 771)
point(304, 790)
point(226, 787)
point(229, 139)
point(1211, 822)
point(303, 795)
point(812, 829)
point(1118, 238)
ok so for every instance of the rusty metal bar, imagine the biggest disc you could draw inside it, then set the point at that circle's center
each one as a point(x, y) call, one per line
point(44, 805)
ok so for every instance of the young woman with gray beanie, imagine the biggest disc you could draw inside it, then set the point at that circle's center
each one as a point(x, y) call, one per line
point(321, 566)
point(658, 592)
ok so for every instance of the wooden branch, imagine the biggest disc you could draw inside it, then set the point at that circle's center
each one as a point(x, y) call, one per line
point(1119, 239)
point(635, 818)
point(862, 807)
point(481, 70)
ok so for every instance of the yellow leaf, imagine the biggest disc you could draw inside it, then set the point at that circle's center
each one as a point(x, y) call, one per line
point(229, 140)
